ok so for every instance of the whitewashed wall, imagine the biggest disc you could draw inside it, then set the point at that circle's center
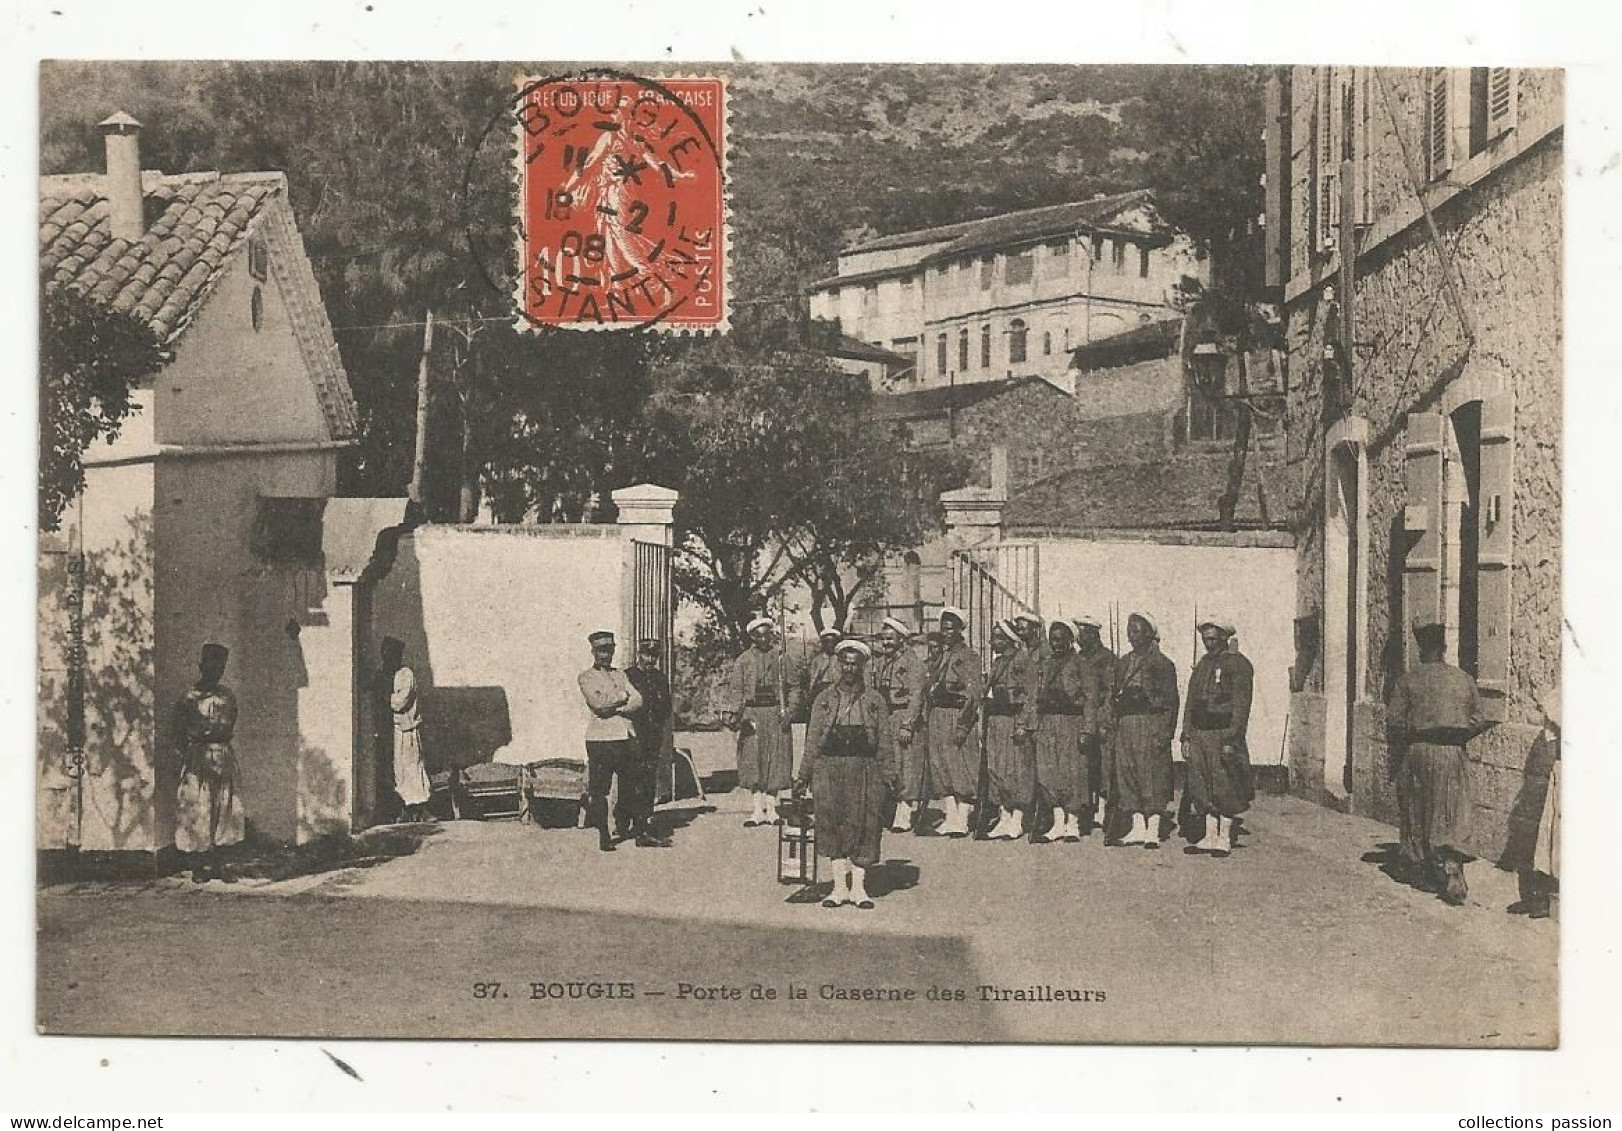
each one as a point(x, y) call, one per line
point(495, 618)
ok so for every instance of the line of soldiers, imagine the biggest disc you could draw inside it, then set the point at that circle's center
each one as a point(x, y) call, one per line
point(1060, 737)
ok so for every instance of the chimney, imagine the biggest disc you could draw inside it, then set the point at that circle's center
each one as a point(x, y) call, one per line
point(124, 175)
point(999, 472)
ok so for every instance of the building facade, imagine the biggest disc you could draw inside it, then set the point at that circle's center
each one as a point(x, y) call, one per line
point(1414, 226)
point(208, 519)
point(1009, 296)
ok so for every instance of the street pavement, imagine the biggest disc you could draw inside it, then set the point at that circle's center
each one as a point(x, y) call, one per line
point(1295, 938)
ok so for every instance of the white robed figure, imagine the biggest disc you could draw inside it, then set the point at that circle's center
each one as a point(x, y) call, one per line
point(410, 769)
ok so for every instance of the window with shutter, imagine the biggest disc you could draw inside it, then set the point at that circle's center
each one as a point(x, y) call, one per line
point(1500, 100)
point(1422, 521)
point(1327, 154)
point(1437, 125)
point(1016, 341)
point(1496, 541)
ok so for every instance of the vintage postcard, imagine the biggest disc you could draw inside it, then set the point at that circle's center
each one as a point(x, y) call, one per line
point(905, 553)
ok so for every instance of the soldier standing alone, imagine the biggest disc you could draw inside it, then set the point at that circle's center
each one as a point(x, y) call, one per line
point(1215, 756)
point(209, 813)
point(1434, 710)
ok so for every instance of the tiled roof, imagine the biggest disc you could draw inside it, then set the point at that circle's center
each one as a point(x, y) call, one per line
point(857, 278)
point(193, 224)
point(857, 350)
point(1155, 339)
point(1179, 493)
point(1027, 223)
point(926, 402)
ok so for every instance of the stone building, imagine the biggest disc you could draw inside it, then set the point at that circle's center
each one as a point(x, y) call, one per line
point(1414, 230)
point(1009, 296)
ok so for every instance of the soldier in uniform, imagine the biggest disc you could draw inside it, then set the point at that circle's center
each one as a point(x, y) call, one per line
point(1010, 753)
point(898, 674)
point(1031, 635)
point(849, 767)
point(612, 746)
point(1055, 713)
point(208, 812)
point(654, 741)
point(823, 670)
point(1433, 711)
point(1097, 681)
point(954, 708)
point(1215, 758)
point(763, 701)
point(1144, 703)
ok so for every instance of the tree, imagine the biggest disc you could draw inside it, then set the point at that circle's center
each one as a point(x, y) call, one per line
point(786, 478)
point(89, 361)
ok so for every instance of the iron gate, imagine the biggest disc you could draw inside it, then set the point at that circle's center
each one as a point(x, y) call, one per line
point(993, 582)
point(653, 606)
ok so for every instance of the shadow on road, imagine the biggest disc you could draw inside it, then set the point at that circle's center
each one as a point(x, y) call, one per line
point(330, 854)
point(1388, 857)
point(311, 967)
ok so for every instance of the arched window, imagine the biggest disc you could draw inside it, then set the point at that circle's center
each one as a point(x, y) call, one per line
point(963, 350)
point(1047, 342)
point(985, 347)
point(1016, 341)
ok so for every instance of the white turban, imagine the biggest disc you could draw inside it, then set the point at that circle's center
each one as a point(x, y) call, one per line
point(891, 622)
point(1154, 629)
point(954, 611)
point(1006, 627)
point(856, 646)
point(759, 622)
point(1221, 624)
point(1085, 621)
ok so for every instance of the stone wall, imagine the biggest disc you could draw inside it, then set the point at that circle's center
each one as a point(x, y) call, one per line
point(1412, 354)
point(1047, 431)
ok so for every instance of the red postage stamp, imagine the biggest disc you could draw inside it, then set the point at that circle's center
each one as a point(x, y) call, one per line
point(622, 202)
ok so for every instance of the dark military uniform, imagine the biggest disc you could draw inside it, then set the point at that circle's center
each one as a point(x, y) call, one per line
point(1214, 722)
point(1010, 752)
point(954, 707)
point(1434, 710)
point(1097, 680)
point(900, 679)
point(1145, 712)
point(765, 693)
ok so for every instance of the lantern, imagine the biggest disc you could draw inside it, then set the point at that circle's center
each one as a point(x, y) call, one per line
point(796, 842)
point(1210, 367)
